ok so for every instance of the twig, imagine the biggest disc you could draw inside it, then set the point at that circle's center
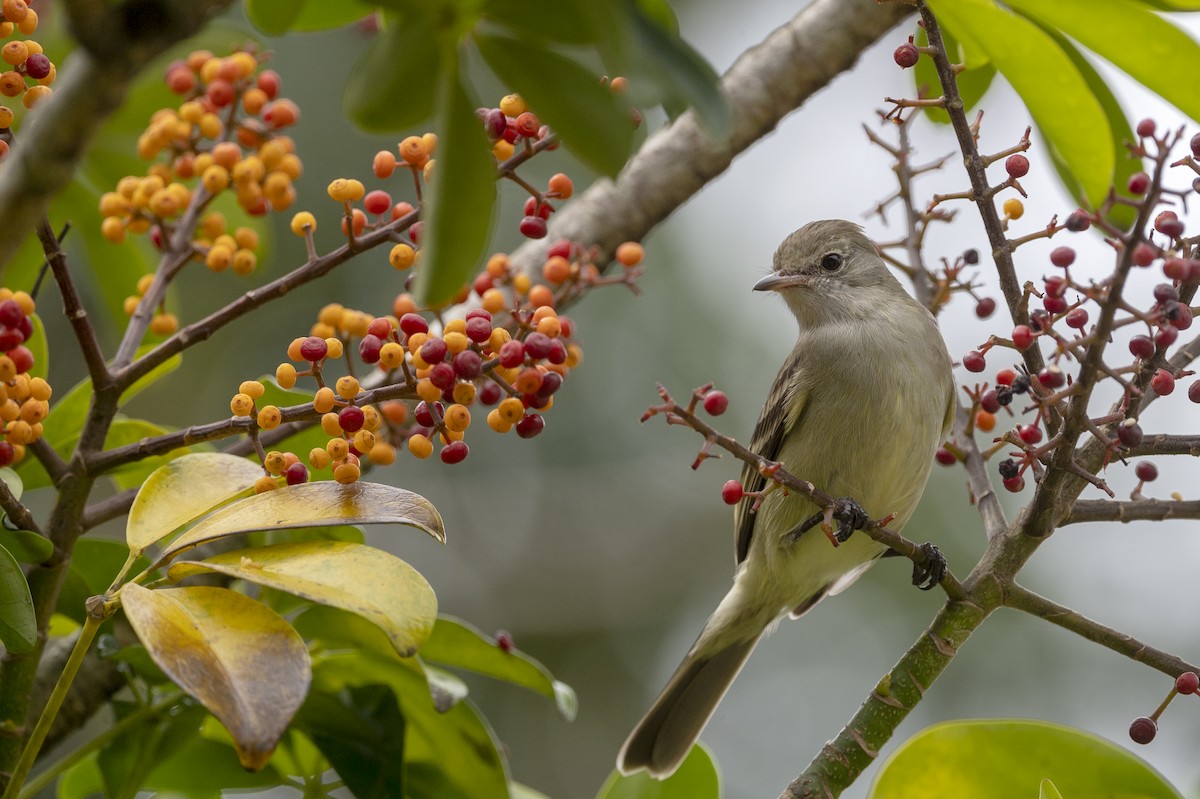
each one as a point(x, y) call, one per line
point(17, 513)
point(73, 308)
point(1158, 510)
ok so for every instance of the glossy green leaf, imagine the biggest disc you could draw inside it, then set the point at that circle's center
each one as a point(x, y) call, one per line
point(26, 545)
point(202, 768)
point(238, 658)
point(124, 432)
point(696, 778)
point(1163, 51)
point(570, 98)
point(366, 581)
point(40, 348)
point(392, 84)
point(18, 625)
point(313, 504)
point(1121, 131)
point(360, 730)
point(81, 781)
point(446, 689)
point(567, 25)
point(456, 643)
point(322, 16)
point(127, 760)
point(341, 629)
point(972, 83)
point(451, 755)
point(461, 200)
point(1057, 96)
point(518, 791)
point(1003, 758)
point(273, 17)
point(13, 481)
point(1049, 791)
point(185, 489)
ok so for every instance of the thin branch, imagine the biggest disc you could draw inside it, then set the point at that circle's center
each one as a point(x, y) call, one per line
point(73, 308)
point(1020, 598)
point(17, 513)
point(51, 461)
point(1158, 510)
point(1164, 444)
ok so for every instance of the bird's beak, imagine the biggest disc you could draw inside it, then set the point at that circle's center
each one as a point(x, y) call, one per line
point(778, 282)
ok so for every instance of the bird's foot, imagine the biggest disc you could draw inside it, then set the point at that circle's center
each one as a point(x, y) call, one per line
point(927, 576)
point(848, 514)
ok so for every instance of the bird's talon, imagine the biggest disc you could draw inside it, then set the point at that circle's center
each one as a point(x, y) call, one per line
point(927, 576)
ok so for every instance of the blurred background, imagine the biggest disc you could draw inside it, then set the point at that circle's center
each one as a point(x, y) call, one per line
point(602, 552)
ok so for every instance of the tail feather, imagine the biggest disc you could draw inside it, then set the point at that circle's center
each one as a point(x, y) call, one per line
point(663, 738)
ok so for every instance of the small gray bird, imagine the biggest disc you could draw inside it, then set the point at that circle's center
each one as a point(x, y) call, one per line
point(859, 408)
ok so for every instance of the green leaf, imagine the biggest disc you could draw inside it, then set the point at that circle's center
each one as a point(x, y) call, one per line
point(81, 780)
point(274, 17)
point(972, 83)
point(312, 504)
point(461, 200)
point(1048, 791)
point(1057, 96)
point(364, 580)
point(38, 345)
point(567, 25)
point(567, 96)
point(18, 625)
point(203, 768)
point(238, 658)
point(392, 84)
point(696, 778)
point(26, 545)
point(1163, 52)
point(360, 730)
point(125, 431)
point(340, 532)
point(451, 755)
point(1005, 758)
point(324, 16)
point(306, 439)
point(456, 643)
point(13, 481)
point(183, 490)
point(518, 791)
point(1120, 130)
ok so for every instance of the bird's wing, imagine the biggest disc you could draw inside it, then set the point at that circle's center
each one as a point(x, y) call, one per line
point(779, 415)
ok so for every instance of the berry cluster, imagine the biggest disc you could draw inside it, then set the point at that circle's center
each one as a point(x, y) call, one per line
point(1144, 729)
point(226, 134)
point(28, 70)
point(24, 400)
point(1061, 312)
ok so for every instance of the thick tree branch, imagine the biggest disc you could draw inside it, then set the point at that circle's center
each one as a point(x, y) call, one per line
point(1158, 510)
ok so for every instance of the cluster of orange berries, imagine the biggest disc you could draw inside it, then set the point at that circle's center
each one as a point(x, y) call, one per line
point(226, 135)
point(28, 71)
point(24, 400)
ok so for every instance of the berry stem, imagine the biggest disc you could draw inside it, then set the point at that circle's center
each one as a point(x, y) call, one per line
point(73, 308)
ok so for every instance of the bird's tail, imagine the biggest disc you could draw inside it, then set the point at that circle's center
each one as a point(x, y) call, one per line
point(664, 736)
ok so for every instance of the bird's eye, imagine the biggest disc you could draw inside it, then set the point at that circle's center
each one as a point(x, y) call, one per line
point(831, 262)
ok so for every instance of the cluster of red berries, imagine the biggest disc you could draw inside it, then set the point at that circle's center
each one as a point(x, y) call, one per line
point(1065, 301)
point(24, 400)
point(28, 71)
point(1143, 729)
point(227, 134)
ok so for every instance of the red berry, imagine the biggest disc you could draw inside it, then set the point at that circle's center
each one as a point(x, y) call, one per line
point(1129, 433)
point(534, 208)
point(1194, 391)
point(716, 403)
point(424, 414)
point(1143, 730)
point(512, 354)
point(1165, 291)
point(10, 313)
point(22, 358)
point(1138, 183)
point(468, 365)
point(1052, 377)
point(412, 323)
point(1005, 377)
point(442, 376)
point(973, 361)
point(483, 282)
point(990, 401)
point(495, 123)
point(551, 382)
point(489, 393)
point(1163, 382)
point(1176, 268)
point(1195, 144)
point(368, 348)
point(906, 55)
point(380, 327)
point(731, 492)
point(558, 351)
point(1078, 221)
point(37, 66)
point(1014, 484)
point(504, 640)
point(1172, 227)
point(296, 474)
point(985, 307)
point(533, 227)
point(1141, 347)
point(1143, 254)
point(479, 329)
point(945, 457)
point(1145, 128)
point(313, 349)
point(455, 452)
point(414, 232)
point(268, 80)
point(433, 351)
point(1017, 166)
point(1062, 256)
point(351, 418)
point(1187, 683)
point(377, 202)
point(1054, 305)
point(9, 338)
point(1166, 336)
point(1022, 337)
point(6, 453)
point(530, 425)
point(537, 345)
point(561, 248)
point(1146, 471)
point(1030, 433)
point(1077, 318)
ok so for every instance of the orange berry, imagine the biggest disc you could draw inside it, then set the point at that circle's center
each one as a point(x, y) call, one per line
point(269, 417)
point(985, 421)
point(347, 473)
point(457, 418)
point(347, 387)
point(403, 304)
point(318, 458)
point(329, 424)
point(395, 411)
point(402, 256)
point(541, 295)
point(303, 223)
point(323, 400)
point(512, 409)
point(413, 151)
point(1013, 208)
point(549, 326)
point(264, 484)
point(338, 448)
point(426, 390)
point(561, 185)
point(420, 446)
point(384, 164)
point(512, 105)
point(493, 301)
point(464, 393)
point(497, 422)
point(164, 324)
point(275, 462)
point(364, 440)
point(241, 404)
point(334, 347)
point(556, 269)
point(382, 453)
point(285, 375)
point(391, 355)
point(630, 254)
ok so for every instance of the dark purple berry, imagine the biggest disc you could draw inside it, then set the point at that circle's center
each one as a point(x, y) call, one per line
point(1194, 391)
point(494, 122)
point(467, 365)
point(985, 307)
point(313, 349)
point(1145, 128)
point(558, 352)
point(1165, 291)
point(1077, 318)
point(1009, 469)
point(455, 452)
point(433, 351)
point(1078, 221)
point(551, 382)
point(442, 376)
point(906, 55)
point(504, 640)
point(530, 425)
point(368, 348)
point(296, 474)
point(1052, 377)
point(351, 418)
point(533, 227)
point(943, 456)
point(537, 345)
point(974, 361)
point(990, 401)
point(512, 354)
point(971, 257)
point(10, 313)
point(412, 323)
point(1143, 730)
point(424, 414)
point(1146, 471)
point(1129, 433)
point(1004, 396)
point(489, 393)
point(1138, 183)
point(479, 329)
point(1141, 347)
point(37, 66)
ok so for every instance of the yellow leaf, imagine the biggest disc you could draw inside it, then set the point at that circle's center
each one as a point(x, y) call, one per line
point(313, 505)
point(366, 581)
point(239, 658)
point(185, 489)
